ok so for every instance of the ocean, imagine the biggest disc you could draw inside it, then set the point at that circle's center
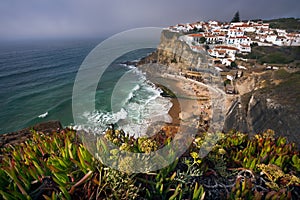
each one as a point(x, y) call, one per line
point(36, 83)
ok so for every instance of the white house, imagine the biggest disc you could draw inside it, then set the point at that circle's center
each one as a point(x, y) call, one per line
point(235, 32)
point(227, 61)
point(281, 41)
point(217, 53)
point(230, 50)
point(246, 27)
point(211, 38)
point(238, 40)
point(271, 38)
point(196, 37)
point(233, 24)
point(294, 39)
point(221, 38)
point(244, 48)
point(280, 32)
point(265, 25)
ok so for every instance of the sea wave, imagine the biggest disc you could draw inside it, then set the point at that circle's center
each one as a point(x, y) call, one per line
point(141, 107)
point(131, 94)
point(43, 115)
point(26, 71)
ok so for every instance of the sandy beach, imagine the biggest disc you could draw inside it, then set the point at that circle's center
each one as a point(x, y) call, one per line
point(193, 99)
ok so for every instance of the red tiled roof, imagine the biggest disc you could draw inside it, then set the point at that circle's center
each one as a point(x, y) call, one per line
point(226, 47)
point(240, 37)
point(221, 51)
point(243, 25)
point(211, 36)
point(196, 35)
point(281, 37)
point(245, 45)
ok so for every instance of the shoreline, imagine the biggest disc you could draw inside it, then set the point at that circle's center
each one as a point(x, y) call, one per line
point(174, 112)
point(190, 99)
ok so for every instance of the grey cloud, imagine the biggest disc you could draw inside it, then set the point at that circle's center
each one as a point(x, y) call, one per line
point(74, 18)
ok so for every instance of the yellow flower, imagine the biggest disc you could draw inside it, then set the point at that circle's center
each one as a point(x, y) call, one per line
point(222, 151)
point(116, 141)
point(124, 147)
point(194, 155)
point(114, 151)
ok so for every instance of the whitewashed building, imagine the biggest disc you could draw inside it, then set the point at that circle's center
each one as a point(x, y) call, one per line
point(235, 32)
point(238, 40)
point(244, 48)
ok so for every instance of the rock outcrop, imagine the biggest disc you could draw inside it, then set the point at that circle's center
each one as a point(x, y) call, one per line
point(275, 106)
point(176, 54)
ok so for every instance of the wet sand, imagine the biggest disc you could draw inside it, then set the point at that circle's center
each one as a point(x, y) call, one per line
point(193, 99)
point(191, 102)
point(174, 112)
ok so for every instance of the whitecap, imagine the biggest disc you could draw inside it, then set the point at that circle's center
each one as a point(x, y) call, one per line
point(43, 115)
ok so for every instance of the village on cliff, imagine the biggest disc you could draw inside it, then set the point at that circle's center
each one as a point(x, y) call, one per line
point(225, 40)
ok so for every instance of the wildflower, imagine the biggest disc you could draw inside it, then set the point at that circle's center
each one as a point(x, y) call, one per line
point(194, 155)
point(222, 151)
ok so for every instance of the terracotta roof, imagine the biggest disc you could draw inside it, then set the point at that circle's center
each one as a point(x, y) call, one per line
point(245, 45)
point(221, 51)
point(196, 35)
point(239, 37)
point(226, 47)
point(292, 35)
point(235, 30)
point(243, 25)
point(281, 37)
point(211, 36)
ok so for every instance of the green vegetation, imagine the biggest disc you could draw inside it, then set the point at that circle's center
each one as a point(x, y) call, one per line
point(202, 40)
point(236, 17)
point(287, 87)
point(166, 92)
point(273, 54)
point(289, 24)
point(238, 167)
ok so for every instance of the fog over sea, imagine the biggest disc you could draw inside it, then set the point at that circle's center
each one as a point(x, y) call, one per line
point(36, 83)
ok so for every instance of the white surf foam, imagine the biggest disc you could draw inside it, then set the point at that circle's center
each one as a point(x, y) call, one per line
point(43, 115)
point(142, 107)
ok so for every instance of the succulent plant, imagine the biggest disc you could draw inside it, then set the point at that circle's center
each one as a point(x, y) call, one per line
point(58, 166)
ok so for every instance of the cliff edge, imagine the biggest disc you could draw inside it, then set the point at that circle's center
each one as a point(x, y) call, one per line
point(266, 100)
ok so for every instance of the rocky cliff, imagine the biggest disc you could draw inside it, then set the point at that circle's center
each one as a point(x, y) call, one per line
point(267, 100)
point(274, 103)
point(176, 54)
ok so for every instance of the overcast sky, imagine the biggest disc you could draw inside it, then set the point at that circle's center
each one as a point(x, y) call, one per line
point(101, 18)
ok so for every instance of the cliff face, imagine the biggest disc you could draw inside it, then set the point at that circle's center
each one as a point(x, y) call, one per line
point(274, 106)
point(270, 100)
point(176, 54)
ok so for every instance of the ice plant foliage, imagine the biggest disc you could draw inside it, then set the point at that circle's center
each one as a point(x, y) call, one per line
point(57, 166)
